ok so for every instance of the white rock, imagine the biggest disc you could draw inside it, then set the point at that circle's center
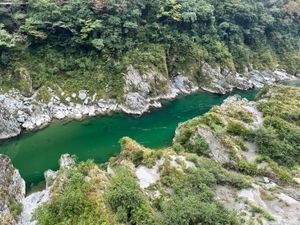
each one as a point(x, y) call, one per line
point(266, 180)
point(66, 161)
point(59, 115)
point(148, 176)
point(297, 180)
point(82, 94)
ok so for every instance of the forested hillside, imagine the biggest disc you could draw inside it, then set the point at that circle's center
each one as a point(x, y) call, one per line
point(83, 39)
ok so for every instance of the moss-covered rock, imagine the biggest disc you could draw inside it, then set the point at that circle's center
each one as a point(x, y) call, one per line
point(12, 191)
point(239, 131)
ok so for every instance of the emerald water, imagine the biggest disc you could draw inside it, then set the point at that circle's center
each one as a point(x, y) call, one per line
point(97, 138)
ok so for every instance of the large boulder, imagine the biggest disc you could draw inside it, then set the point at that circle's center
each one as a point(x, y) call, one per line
point(9, 126)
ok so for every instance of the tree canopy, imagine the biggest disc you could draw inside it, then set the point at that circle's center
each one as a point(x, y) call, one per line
point(246, 32)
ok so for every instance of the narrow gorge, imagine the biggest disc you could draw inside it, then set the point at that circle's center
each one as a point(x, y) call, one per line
point(138, 112)
point(222, 158)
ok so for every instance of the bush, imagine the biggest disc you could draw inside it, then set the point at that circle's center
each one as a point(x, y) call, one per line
point(238, 129)
point(279, 141)
point(126, 199)
point(15, 208)
point(211, 119)
point(247, 168)
point(193, 201)
point(184, 135)
point(71, 206)
point(193, 210)
point(137, 157)
point(178, 147)
point(200, 147)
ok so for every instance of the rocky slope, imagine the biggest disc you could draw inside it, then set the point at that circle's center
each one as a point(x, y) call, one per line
point(232, 136)
point(12, 191)
point(142, 90)
point(15, 207)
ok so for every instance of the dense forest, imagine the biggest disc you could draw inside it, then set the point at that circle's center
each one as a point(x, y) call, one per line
point(79, 39)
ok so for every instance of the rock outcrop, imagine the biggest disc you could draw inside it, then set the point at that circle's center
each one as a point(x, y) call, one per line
point(12, 191)
point(224, 148)
point(9, 126)
point(142, 91)
point(261, 204)
point(34, 200)
point(222, 80)
point(15, 207)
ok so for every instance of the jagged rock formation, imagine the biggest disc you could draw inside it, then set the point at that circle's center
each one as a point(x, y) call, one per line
point(12, 191)
point(9, 126)
point(222, 80)
point(33, 201)
point(142, 91)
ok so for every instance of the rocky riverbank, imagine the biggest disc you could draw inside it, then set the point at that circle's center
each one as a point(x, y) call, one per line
point(141, 92)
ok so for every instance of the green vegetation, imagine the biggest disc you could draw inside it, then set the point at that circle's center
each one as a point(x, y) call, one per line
point(15, 208)
point(74, 204)
point(279, 138)
point(84, 194)
point(184, 193)
point(127, 200)
point(257, 209)
point(88, 44)
point(238, 129)
point(247, 168)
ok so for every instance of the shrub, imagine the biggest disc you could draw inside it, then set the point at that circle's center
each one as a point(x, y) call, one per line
point(126, 199)
point(238, 129)
point(71, 206)
point(280, 145)
point(211, 119)
point(184, 135)
point(178, 147)
point(247, 168)
point(15, 208)
point(200, 147)
point(193, 210)
point(137, 157)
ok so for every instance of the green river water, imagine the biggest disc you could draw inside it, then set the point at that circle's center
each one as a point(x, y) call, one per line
point(97, 138)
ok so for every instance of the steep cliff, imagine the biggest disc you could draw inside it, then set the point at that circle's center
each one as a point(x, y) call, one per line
point(12, 191)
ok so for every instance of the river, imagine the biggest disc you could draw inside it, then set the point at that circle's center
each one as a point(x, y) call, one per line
point(97, 138)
